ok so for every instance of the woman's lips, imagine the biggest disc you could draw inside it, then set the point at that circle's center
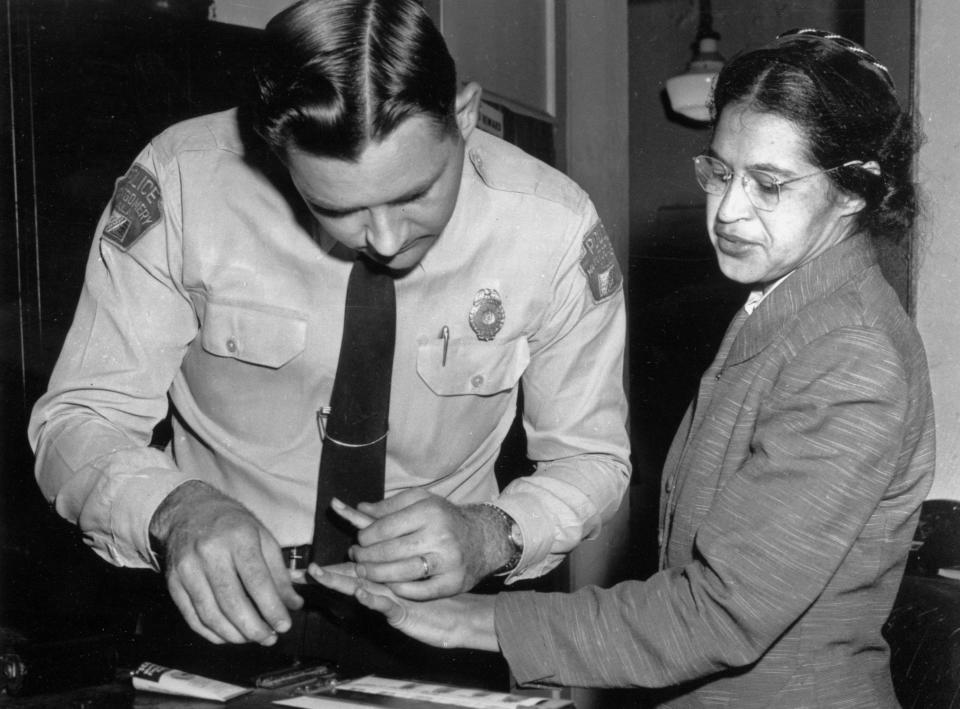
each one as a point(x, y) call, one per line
point(732, 245)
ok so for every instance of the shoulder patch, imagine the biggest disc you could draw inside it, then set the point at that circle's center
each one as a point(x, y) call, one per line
point(599, 264)
point(135, 208)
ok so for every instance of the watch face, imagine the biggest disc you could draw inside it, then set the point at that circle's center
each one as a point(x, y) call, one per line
point(516, 536)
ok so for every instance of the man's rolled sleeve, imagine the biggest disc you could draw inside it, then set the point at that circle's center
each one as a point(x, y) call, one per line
point(575, 412)
point(91, 431)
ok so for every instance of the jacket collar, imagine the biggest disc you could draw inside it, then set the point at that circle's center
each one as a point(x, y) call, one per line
point(811, 281)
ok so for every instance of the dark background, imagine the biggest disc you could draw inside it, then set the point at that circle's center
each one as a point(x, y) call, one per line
point(90, 83)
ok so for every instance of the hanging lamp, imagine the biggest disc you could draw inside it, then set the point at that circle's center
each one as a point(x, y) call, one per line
point(690, 92)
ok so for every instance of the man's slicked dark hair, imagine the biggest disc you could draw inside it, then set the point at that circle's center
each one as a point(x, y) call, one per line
point(337, 75)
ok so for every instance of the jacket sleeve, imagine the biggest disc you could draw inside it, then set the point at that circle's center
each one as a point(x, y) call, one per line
point(825, 450)
point(575, 408)
point(92, 429)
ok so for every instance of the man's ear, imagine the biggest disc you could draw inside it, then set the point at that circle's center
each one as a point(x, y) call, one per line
point(468, 108)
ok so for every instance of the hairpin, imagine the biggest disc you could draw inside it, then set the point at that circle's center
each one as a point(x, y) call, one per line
point(845, 43)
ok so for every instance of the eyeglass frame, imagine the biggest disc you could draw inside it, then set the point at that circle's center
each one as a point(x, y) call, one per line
point(730, 173)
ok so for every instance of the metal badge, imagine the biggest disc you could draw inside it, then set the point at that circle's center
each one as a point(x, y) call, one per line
point(487, 315)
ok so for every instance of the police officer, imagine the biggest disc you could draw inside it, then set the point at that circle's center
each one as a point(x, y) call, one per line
point(216, 285)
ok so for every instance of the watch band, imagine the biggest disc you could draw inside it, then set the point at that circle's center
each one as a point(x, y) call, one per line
point(512, 529)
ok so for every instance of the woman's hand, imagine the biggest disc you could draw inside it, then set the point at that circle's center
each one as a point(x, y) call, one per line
point(466, 620)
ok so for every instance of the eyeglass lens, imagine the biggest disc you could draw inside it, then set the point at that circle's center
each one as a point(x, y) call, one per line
point(714, 176)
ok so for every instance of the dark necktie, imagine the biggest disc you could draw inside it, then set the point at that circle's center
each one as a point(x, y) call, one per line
point(355, 435)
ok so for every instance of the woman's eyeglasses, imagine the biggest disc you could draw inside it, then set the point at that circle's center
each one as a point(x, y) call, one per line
point(761, 188)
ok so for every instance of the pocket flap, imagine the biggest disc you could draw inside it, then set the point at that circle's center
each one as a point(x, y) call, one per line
point(472, 367)
point(268, 338)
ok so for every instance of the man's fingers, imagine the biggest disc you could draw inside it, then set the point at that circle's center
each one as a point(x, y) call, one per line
point(393, 504)
point(414, 568)
point(234, 590)
point(396, 526)
point(182, 600)
point(224, 569)
point(353, 516)
point(346, 568)
point(402, 548)
point(283, 578)
point(267, 615)
point(200, 600)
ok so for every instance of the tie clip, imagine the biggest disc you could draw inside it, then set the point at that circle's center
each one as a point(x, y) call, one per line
point(322, 415)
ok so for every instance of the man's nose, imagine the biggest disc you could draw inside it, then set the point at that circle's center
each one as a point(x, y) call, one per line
point(386, 232)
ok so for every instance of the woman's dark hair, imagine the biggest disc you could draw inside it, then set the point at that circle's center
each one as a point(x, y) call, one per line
point(844, 102)
point(336, 75)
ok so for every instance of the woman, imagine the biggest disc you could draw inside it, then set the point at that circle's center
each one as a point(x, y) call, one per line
point(793, 486)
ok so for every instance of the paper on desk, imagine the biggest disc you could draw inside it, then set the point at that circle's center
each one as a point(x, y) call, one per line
point(418, 692)
point(156, 678)
point(315, 703)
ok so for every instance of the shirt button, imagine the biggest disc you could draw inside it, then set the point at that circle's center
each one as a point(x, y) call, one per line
point(477, 380)
point(668, 487)
point(231, 345)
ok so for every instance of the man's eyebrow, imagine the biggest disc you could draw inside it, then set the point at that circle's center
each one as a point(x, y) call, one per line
point(329, 210)
point(422, 188)
point(412, 194)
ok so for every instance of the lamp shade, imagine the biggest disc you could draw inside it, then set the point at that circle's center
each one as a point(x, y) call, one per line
point(690, 92)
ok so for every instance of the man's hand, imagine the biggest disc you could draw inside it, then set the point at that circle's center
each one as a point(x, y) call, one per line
point(423, 546)
point(224, 569)
point(467, 620)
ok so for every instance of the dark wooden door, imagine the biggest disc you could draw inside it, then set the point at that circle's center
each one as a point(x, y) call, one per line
point(88, 82)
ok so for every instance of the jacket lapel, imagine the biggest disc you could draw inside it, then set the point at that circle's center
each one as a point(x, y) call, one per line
point(811, 281)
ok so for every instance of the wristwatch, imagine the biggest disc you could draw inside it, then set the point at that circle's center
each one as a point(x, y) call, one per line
point(515, 536)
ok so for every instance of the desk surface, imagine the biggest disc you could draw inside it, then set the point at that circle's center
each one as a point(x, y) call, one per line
point(121, 695)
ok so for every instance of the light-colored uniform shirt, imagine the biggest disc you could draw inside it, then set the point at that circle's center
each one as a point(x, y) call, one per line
point(208, 284)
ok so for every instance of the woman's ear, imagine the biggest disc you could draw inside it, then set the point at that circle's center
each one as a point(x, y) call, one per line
point(871, 166)
point(853, 203)
point(468, 107)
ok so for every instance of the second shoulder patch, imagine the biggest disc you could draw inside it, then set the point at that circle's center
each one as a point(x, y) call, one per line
point(599, 263)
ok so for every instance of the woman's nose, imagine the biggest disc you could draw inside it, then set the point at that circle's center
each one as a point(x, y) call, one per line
point(735, 204)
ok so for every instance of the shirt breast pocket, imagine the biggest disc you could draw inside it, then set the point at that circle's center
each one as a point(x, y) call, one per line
point(264, 337)
point(470, 367)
